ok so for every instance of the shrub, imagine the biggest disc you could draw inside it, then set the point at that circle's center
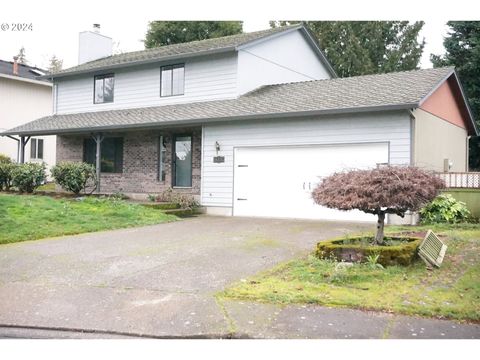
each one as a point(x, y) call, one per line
point(74, 176)
point(184, 201)
point(166, 195)
point(444, 209)
point(6, 174)
point(5, 159)
point(27, 177)
point(118, 196)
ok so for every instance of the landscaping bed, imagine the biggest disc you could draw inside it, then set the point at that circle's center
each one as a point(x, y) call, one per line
point(452, 291)
point(397, 250)
point(30, 217)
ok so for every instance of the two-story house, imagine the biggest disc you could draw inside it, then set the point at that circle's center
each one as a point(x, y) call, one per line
point(247, 123)
point(23, 98)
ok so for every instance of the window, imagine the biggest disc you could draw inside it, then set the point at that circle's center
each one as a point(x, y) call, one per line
point(182, 161)
point(172, 80)
point(103, 92)
point(111, 158)
point(162, 155)
point(36, 149)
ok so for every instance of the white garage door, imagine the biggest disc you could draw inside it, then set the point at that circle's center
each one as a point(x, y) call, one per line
point(277, 181)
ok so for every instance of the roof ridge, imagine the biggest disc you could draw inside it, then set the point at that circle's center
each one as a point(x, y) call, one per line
point(150, 50)
point(20, 64)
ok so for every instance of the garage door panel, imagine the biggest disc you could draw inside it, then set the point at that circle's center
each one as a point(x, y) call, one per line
point(277, 181)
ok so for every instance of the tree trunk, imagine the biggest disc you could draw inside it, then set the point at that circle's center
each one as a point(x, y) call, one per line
point(380, 225)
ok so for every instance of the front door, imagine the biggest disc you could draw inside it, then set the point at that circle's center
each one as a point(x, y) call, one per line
point(182, 161)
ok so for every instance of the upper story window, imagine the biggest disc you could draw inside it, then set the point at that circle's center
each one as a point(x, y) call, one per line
point(36, 149)
point(172, 80)
point(103, 92)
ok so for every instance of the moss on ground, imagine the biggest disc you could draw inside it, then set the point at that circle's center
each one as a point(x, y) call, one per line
point(358, 249)
point(452, 292)
point(254, 242)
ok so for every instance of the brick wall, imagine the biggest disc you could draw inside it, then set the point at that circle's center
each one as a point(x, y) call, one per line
point(140, 161)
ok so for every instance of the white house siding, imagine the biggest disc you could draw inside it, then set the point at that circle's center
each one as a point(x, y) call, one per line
point(21, 102)
point(217, 178)
point(206, 78)
point(285, 58)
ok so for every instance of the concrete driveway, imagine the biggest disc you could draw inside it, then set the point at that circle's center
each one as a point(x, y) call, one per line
point(157, 280)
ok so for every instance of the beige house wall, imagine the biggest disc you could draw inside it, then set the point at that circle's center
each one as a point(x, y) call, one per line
point(435, 139)
point(22, 101)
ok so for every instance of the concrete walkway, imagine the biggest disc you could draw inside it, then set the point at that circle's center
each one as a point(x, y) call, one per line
point(160, 281)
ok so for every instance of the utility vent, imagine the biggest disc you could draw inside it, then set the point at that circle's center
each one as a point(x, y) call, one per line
point(432, 249)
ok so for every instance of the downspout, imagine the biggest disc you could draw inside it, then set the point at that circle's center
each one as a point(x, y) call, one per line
point(412, 137)
point(467, 167)
point(413, 215)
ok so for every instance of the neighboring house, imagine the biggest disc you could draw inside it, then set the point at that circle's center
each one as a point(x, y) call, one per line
point(249, 123)
point(23, 98)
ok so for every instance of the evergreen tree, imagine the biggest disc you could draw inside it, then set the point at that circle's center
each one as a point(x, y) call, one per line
point(462, 50)
point(367, 47)
point(21, 57)
point(55, 64)
point(161, 33)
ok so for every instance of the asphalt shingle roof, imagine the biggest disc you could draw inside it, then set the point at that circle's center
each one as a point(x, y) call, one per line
point(24, 71)
point(354, 94)
point(175, 50)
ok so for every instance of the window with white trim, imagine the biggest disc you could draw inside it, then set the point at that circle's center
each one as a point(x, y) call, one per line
point(36, 149)
point(172, 80)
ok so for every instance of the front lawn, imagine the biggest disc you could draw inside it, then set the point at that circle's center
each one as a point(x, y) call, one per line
point(453, 291)
point(30, 217)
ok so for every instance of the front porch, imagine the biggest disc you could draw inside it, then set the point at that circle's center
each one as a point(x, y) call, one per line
point(139, 162)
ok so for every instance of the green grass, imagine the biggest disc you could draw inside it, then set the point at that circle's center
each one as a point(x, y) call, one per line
point(453, 291)
point(47, 187)
point(31, 217)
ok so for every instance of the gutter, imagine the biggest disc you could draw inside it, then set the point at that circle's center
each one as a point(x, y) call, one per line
point(200, 121)
point(31, 81)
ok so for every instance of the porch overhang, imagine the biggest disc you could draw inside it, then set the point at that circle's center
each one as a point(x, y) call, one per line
point(102, 125)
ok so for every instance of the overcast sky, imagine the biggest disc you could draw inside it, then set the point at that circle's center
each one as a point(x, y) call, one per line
point(56, 25)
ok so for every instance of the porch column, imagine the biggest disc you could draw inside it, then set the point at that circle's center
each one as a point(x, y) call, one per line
point(98, 158)
point(23, 142)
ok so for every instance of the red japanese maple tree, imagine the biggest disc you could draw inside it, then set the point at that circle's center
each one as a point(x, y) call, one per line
point(380, 191)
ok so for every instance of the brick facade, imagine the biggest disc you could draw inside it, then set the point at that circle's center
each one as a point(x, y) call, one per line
point(140, 160)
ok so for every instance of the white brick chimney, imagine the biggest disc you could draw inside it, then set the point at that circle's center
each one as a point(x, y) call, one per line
point(92, 45)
